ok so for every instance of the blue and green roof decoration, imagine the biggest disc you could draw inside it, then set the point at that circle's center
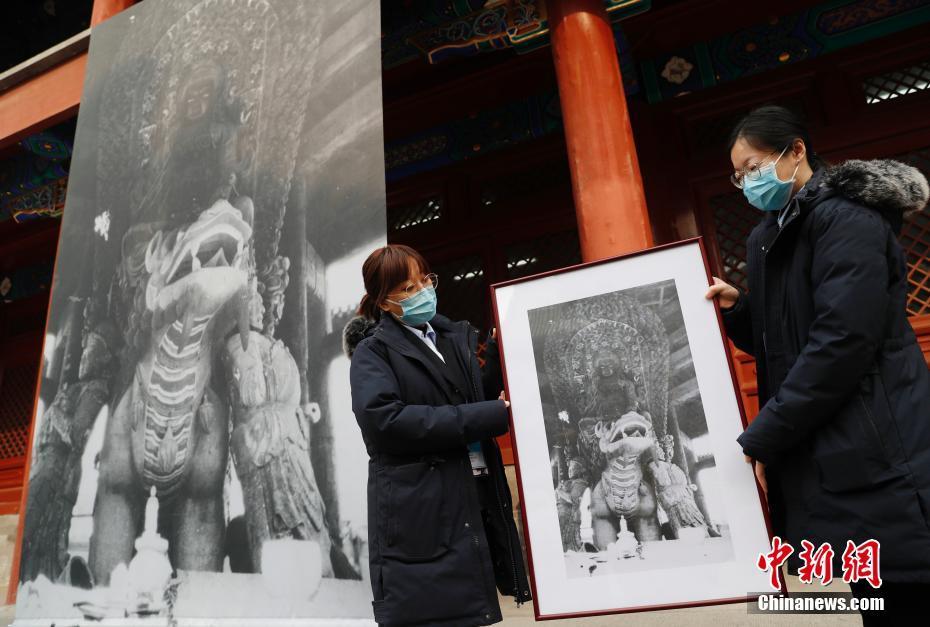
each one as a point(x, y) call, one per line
point(33, 181)
point(831, 26)
point(438, 30)
point(781, 41)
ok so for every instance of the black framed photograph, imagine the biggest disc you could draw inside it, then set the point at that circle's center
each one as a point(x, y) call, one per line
point(625, 413)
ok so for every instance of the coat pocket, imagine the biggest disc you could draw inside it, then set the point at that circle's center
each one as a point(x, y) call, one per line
point(852, 450)
point(844, 470)
point(878, 408)
point(848, 471)
point(418, 526)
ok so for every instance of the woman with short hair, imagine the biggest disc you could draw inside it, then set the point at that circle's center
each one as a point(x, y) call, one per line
point(442, 539)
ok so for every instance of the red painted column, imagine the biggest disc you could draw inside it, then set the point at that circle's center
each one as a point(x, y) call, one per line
point(608, 190)
point(105, 9)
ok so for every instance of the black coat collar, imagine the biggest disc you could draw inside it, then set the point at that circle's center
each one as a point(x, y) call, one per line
point(799, 206)
point(806, 199)
point(391, 332)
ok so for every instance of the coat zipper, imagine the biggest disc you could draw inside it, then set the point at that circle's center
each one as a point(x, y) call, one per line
point(766, 248)
point(518, 594)
point(471, 371)
point(871, 419)
point(476, 545)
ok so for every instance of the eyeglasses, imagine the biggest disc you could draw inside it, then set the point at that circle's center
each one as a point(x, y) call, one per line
point(752, 172)
point(429, 280)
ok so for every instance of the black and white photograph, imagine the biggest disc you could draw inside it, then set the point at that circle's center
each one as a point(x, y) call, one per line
point(194, 454)
point(634, 491)
point(635, 483)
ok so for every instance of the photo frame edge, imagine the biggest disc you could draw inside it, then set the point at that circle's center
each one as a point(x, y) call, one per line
point(739, 403)
point(516, 459)
point(699, 240)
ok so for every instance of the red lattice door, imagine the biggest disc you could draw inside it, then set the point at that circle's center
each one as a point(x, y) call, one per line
point(19, 371)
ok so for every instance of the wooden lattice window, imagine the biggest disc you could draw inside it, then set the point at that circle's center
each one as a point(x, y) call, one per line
point(734, 218)
point(900, 82)
point(915, 238)
point(550, 179)
point(422, 212)
point(710, 134)
point(551, 251)
point(17, 394)
point(463, 290)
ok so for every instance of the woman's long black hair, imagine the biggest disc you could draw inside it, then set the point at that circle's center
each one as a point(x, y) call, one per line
point(774, 127)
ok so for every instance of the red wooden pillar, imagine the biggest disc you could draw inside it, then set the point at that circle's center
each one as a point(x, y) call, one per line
point(609, 199)
point(105, 9)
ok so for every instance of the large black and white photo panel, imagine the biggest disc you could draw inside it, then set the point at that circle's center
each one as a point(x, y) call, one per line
point(635, 492)
point(193, 458)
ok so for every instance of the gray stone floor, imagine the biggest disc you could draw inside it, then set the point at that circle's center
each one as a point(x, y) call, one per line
point(8, 526)
point(713, 616)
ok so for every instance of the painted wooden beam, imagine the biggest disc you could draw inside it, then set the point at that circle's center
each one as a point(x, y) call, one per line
point(53, 94)
point(42, 101)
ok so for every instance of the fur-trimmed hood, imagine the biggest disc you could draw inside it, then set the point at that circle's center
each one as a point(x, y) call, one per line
point(894, 189)
point(356, 330)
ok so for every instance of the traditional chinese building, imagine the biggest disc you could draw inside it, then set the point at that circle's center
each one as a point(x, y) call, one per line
point(520, 136)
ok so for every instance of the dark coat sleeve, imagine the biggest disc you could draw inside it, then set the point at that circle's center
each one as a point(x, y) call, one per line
point(492, 375)
point(392, 426)
point(737, 321)
point(849, 279)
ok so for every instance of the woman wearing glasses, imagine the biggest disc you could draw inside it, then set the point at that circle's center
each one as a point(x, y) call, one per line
point(841, 443)
point(442, 539)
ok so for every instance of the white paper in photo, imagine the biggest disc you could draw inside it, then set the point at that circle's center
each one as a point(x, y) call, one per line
point(556, 592)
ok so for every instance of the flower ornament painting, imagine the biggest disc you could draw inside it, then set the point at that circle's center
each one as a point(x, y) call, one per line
point(677, 70)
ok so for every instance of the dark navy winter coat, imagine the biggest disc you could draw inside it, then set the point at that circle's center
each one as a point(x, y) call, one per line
point(844, 390)
point(429, 549)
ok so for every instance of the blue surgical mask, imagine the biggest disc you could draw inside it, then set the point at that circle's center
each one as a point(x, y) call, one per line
point(768, 192)
point(419, 308)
